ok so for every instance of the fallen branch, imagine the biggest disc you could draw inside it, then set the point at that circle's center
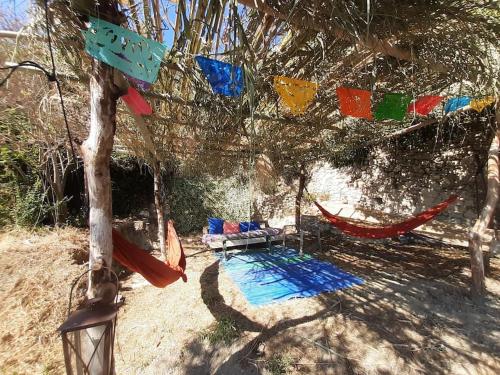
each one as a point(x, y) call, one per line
point(256, 361)
point(328, 350)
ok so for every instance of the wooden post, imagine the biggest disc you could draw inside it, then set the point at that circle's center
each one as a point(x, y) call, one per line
point(478, 288)
point(96, 152)
point(298, 197)
point(159, 206)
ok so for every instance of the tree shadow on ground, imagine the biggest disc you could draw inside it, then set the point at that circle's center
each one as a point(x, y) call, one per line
point(212, 298)
point(414, 305)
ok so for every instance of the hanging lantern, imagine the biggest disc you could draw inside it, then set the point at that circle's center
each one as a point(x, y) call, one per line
point(88, 340)
point(88, 333)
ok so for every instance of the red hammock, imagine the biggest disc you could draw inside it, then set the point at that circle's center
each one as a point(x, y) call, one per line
point(158, 273)
point(393, 230)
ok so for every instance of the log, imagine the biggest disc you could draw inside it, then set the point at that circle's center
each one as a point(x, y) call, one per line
point(166, 97)
point(9, 34)
point(33, 69)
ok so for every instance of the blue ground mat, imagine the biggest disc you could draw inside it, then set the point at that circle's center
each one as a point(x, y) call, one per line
point(265, 277)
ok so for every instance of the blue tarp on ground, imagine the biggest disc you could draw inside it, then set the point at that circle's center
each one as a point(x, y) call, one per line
point(265, 277)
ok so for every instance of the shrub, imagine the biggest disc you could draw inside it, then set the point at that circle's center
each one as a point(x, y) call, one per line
point(223, 331)
point(278, 364)
point(191, 201)
point(31, 206)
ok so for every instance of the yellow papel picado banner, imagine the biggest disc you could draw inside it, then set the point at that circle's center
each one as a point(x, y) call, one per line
point(296, 94)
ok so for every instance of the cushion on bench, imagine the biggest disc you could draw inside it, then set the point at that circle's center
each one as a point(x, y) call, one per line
point(209, 238)
point(231, 227)
point(215, 225)
point(247, 226)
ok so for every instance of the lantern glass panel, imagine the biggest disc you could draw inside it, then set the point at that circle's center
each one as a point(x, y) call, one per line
point(88, 337)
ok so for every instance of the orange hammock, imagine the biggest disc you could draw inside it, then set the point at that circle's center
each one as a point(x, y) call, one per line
point(158, 273)
point(393, 230)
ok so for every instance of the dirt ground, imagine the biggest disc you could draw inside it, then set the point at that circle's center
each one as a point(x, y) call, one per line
point(411, 316)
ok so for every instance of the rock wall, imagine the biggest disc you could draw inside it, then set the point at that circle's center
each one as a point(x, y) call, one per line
point(397, 179)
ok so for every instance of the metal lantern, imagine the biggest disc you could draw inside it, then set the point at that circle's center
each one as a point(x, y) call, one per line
point(88, 333)
point(88, 337)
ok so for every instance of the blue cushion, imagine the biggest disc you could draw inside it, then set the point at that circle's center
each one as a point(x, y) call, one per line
point(215, 225)
point(246, 226)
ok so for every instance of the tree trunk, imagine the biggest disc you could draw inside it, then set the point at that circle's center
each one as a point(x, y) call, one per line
point(159, 207)
point(298, 197)
point(96, 151)
point(57, 182)
point(96, 154)
point(478, 288)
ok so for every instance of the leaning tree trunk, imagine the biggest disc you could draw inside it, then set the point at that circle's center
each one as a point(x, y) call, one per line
point(298, 198)
point(159, 207)
point(477, 232)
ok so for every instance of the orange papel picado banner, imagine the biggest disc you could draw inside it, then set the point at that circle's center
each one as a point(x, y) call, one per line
point(296, 94)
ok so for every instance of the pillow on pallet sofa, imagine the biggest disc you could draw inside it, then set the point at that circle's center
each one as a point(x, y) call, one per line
point(231, 227)
point(215, 225)
point(246, 226)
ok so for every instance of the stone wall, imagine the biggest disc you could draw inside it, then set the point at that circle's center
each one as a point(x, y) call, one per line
point(397, 179)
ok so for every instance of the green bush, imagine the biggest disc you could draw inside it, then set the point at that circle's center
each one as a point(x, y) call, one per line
point(278, 364)
point(190, 201)
point(22, 197)
point(6, 203)
point(223, 331)
point(186, 204)
point(8, 183)
point(31, 207)
point(132, 186)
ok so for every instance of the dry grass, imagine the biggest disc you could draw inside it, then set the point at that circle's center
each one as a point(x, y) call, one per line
point(412, 315)
point(36, 270)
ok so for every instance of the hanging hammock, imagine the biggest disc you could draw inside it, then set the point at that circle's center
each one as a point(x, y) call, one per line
point(158, 273)
point(388, 231)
